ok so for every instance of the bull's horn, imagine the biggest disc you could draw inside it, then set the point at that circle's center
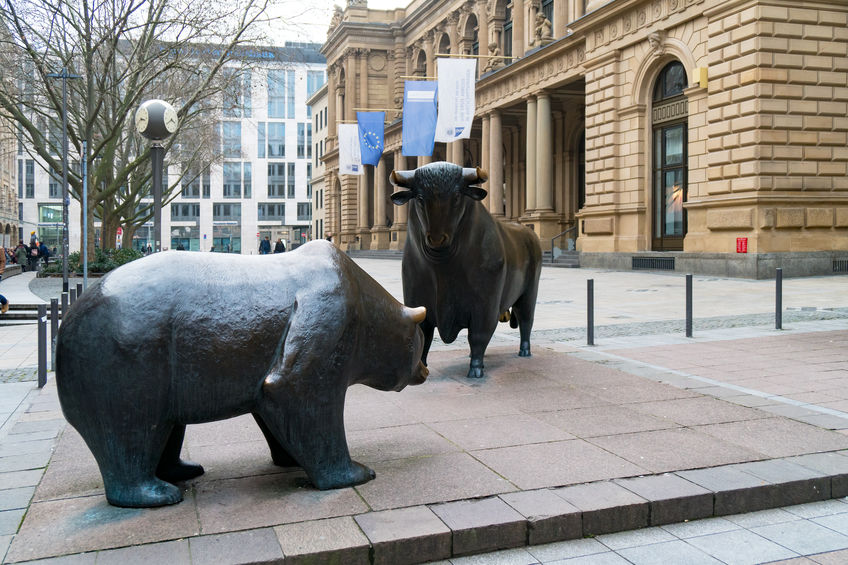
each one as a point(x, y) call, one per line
point(417, 314)
point(402, 178)
point(473, 176)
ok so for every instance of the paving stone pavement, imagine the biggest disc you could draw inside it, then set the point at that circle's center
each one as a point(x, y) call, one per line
point(729, 447)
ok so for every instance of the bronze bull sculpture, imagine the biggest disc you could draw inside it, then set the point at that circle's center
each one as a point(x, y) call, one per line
point(184, 338)
point(468, 269)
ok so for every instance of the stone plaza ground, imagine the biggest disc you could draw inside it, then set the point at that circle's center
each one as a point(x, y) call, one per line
point(645, 448)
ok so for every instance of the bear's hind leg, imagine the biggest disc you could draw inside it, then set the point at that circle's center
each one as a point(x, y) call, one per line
point(279, 455)
point(171, 468)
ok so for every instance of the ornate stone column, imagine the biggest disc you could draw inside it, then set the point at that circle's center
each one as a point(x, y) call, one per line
point(379, 232)
point(484, 156)
point(544, 149)
point(496, 195)
point(398, 230)
point(363, 230)
point(530, 167)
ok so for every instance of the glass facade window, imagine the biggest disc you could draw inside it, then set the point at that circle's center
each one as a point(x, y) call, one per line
point(236, 95)
point(232, 180)
point(301, 141)
point(188, 236)
point(54, 185)
point(276, 180)
point(290, 86)
point(222, 212)
point(29, 181)
point(309, 180)
point(226, 239)
point(314, 81)
point(304, 211)
point(308, 141)
point(276, 94)
point(231, 135)
point(207, 184)
point(50, 225)
point(185, 211)
point(271, 211)
point(276, 140)
point(290, 179)
point(190, 183)
point(247, 179)
point(260, 140)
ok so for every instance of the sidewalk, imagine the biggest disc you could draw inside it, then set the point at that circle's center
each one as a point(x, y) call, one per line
point(641, 430)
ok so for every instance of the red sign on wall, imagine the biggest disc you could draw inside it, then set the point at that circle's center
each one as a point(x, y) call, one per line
point(741, 245)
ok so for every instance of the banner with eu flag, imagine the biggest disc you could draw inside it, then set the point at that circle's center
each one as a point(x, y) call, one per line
point(370, 136)
point(419, 117)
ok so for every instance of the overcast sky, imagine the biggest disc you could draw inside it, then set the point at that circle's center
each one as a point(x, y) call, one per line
point(308, 20)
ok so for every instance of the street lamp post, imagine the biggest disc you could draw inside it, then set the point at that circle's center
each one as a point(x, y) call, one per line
point(66, 198)
point(156, 120)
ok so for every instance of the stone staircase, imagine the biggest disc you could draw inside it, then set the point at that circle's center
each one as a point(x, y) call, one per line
point(567, 259)
point(23, 314)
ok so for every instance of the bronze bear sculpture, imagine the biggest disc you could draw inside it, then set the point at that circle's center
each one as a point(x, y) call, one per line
point(467, 268)
point(182, 338)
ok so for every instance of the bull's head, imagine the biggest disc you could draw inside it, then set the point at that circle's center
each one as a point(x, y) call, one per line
point(441, 193)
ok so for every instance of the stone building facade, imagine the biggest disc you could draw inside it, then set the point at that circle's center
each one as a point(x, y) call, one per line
point(10, 232)
point(318, 103)
point(706, 136)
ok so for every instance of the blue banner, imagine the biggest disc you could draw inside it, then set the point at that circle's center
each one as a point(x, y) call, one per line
point(370, 136)
point(419, 117)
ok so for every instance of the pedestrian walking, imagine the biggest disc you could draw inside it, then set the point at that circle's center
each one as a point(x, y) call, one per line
point(4, 303)
point(265, 246)
point(21, 253)
point(32, 255)
point(279, 247)
point(43, 252)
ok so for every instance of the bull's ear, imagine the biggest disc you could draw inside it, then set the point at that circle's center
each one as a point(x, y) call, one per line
point(401, 197)
point(474, 192)
point(402, 178)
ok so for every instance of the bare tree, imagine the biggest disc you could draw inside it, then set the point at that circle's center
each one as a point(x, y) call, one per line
point(124, 52)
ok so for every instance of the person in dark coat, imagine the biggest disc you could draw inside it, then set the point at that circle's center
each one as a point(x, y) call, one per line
point(32, 256)
point(265, 246)
point(279, 247)
point(43, 252)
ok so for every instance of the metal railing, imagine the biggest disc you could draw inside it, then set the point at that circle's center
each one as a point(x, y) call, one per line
point(569, 243)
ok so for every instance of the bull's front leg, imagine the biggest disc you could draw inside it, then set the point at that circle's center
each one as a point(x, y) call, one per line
point(479, 336)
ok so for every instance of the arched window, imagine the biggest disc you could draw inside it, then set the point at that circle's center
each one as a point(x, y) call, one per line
point(507, 32)
point(670, 158)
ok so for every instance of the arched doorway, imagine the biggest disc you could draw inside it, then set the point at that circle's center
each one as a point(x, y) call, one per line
point(670, 157)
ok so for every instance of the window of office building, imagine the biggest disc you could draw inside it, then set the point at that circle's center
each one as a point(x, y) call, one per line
point(271, 211)
point(314, 81)
point(226, 238)
point(309, 180)
point(50, 225)
point(187, 236)
point(191, 181)
point(276, 93)
point(185, 211)
point(304, 211)
point(232, 180)
point(247, 179)
point(276, 180)
point(226, 211)
point(290, 86)
point(308, 141)
point(236, 95)
point(231, 135)
point(669, 118)
point(290, 179)
point(301, 141)
point(54, 185)
point(276, 140)
point(29, 181)
point(260, 140)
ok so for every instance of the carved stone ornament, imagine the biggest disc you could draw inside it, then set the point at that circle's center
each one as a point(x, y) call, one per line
point(656, 40)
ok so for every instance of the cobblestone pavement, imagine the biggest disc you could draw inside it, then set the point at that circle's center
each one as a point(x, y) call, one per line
point(19, 375)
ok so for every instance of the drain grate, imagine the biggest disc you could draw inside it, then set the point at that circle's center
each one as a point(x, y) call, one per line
point(840, 265)
point(653, 263)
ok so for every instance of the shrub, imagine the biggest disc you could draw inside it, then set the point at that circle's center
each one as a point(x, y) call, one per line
point(104, 261)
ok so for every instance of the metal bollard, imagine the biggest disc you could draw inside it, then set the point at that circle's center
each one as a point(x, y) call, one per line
point(79, 290)
point(590, 312)
point(54, 323)
point(73, 294)
point(688, 305)
point(42, 345)
point(64, 304)
point(778, 299)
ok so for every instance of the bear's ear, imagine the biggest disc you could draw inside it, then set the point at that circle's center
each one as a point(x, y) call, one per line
point(401, 197)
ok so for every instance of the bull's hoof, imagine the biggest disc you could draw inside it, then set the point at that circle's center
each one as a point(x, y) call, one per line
point(524, 350)
point(476, 369)
point(181, 471)
point(146, 495)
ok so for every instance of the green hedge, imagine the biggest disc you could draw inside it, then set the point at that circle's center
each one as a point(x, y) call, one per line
point(104, 261)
